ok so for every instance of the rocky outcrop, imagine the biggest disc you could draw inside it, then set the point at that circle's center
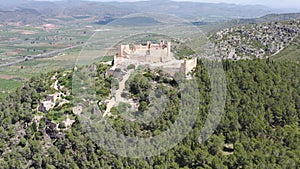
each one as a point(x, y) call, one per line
point(51, 130)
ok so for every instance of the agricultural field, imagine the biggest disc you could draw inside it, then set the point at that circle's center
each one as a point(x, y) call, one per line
point(21, 41)
point(18, 42)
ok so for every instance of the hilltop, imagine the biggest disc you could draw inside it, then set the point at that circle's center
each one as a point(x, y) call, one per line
point(262, 40)
point(256, 130)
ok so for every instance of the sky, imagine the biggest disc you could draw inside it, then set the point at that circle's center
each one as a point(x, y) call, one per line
point(292, 4)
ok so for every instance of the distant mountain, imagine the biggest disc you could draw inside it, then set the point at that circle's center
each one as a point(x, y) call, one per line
point(77, 7)
point(7, 3)
point(193, 10)
point(34, 12)
point(24, 15)
point(107, 11)
point(281, 17)
point(99, 10)
point(268, 18)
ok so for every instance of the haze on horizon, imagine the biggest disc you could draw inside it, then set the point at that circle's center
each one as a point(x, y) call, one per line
point(292, 4)
point(270, 3)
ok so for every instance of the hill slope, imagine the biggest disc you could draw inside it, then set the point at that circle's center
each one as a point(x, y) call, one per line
point(291, 52)
point(260, 126)
point(256, 40)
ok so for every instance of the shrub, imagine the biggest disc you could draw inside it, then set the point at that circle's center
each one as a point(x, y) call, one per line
point(131, 66)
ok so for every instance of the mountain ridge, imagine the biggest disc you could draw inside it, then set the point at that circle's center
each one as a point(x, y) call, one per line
point(98, 10)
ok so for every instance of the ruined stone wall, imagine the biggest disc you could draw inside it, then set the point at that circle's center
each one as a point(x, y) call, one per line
point(188, 65)
point(169, 49)
point(140, 47)
point(124, 50)
point(170, 70)
point(138, 58)
point(164, 50)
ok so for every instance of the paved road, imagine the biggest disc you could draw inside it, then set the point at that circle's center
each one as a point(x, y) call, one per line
point(45, 55)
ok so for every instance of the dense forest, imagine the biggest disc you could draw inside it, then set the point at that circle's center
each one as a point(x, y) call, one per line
point(259, 129)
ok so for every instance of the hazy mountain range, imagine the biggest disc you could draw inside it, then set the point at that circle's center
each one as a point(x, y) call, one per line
point(29, 11)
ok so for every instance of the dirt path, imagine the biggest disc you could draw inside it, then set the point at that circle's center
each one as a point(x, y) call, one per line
point(117, 98)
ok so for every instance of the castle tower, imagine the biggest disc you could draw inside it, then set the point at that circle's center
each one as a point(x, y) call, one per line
point(124, 50)
point(149, 44)
point(185, 66)
point(161, 43)
point(114, 62)
point(169, 49)
point(120, 51)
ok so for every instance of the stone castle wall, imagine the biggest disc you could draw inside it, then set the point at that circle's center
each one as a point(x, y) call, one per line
point(156, 53)
point(188, 65)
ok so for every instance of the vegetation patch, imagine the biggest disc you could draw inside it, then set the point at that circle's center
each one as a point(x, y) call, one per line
point(8, 86)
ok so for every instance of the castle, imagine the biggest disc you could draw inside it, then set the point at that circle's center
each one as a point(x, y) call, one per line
point(149, 53)
point(153, 56)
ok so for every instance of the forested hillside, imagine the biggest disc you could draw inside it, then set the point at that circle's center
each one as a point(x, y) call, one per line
point(259, 129)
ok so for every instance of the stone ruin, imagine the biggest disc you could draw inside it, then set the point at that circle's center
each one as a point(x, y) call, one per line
point(150, 53)
point(153, 56)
